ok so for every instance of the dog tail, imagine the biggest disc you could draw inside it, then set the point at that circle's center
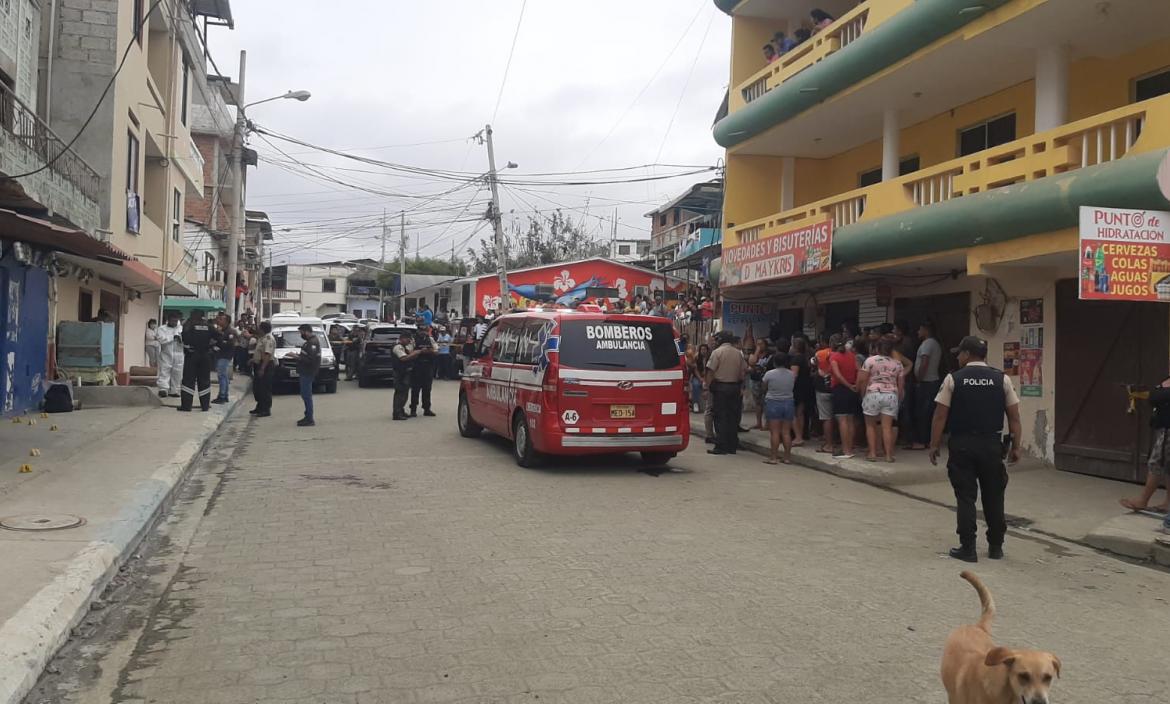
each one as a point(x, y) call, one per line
point(985, 600)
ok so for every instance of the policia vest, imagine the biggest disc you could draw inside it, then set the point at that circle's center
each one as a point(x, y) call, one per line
point(200, 338)
point(978, 403)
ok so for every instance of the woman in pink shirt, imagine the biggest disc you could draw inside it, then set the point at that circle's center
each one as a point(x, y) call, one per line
point(881, 382)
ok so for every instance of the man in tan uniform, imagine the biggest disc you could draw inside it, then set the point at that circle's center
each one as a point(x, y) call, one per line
point(725, 374)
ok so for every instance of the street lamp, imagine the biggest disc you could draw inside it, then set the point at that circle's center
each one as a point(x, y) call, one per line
point(238, 227)
point(299, 95)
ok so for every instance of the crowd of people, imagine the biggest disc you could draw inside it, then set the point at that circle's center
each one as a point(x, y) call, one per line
point(868, 390)
point(781, 43)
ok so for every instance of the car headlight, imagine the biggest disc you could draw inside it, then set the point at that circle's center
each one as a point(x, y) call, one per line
point(328, 363)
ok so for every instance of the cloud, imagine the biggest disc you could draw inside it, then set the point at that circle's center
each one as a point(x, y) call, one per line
point(399, 72)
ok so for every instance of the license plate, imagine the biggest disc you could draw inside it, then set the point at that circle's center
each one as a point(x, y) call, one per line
point(293, 373)
point(621, 411)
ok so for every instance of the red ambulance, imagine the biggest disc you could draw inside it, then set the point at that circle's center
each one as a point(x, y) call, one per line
point(576, 382)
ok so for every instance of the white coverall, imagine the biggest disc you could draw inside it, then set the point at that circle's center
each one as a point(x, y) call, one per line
point(170, 359)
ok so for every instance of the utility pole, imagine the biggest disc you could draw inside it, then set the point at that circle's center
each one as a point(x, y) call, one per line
point(238, 224)
point(501, 254)
point(382, 271)
point(401, 265)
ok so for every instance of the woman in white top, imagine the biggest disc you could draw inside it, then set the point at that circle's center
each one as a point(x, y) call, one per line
point(152, 343)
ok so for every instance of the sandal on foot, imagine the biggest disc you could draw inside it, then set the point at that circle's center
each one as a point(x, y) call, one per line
point(1133, 505)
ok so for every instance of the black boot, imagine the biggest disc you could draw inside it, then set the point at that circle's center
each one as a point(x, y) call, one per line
point(966, 553)
point(995, 552)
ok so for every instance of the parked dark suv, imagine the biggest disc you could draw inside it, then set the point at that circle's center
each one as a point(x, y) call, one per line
point(376, 358)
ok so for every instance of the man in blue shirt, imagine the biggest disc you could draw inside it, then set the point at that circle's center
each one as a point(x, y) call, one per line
point(428, 317)
point(444, 369)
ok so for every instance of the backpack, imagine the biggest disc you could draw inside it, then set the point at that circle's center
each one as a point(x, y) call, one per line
point(58, 397)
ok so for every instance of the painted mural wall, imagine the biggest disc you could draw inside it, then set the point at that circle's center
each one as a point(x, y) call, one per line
point(569, 284)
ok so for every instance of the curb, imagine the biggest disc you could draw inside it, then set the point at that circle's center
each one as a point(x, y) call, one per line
point(876, 474)
point(1128, 535)
point(30, 639)
point(1132, 535)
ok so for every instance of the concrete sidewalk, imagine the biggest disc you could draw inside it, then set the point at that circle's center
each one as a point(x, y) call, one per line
point(113, 468)
point(1040, 498)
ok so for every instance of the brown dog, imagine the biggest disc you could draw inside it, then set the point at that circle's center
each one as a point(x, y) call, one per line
point(976, 671)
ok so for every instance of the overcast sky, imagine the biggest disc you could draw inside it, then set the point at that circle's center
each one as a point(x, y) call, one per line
point(387, 74)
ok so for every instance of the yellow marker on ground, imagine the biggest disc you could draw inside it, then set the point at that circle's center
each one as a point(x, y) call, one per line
point(53, 427)
point(25, 468)
point(34, 452)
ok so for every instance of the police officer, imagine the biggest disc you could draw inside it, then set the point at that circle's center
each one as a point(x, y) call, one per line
point(974, 400)
point(404, 356)
point(199, 340)
point(725, 374)
point(423, 375)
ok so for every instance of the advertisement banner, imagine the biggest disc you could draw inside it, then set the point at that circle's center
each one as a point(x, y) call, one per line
point(1031, 373)
point(748, 320)
point(1011, 358)
point(803, 250)
point(1124, 255)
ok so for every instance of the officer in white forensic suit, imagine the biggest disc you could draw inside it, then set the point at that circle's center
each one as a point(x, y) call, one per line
point(170, 356)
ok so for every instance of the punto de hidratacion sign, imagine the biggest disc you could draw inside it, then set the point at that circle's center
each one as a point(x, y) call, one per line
point(796, 252)
point(1124, 254)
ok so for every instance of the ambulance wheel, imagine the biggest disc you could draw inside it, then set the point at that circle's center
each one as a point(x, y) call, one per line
point(657, 459)
point(331, 387)
point(526, 455)
point(468, 428)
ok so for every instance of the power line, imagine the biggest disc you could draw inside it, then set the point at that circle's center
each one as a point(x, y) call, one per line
point(466, 177)
point(686, 84)
point(508, 65)
point(101, 98)
point(677, 44)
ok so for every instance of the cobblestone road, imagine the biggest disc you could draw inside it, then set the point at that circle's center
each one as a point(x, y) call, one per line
point(368, 561)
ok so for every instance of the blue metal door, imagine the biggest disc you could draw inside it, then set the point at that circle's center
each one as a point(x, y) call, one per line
point(24, 336)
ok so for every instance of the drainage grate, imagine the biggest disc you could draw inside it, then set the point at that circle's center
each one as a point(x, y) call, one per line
point(44, 521)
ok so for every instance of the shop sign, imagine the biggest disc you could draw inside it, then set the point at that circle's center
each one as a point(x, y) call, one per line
point(797, 252)
point(1124, 255)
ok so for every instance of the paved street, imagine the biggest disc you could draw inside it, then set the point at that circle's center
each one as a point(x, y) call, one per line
point(369, 561)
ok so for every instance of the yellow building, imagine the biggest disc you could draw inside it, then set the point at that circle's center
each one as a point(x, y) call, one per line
point(951, 144)
point(137, 137)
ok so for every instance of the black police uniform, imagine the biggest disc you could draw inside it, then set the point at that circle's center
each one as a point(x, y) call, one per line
point(975, 462)
point(199, 340)
point(422, 376)
point(403, 369)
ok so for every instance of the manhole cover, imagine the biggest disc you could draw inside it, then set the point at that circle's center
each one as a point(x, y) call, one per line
point(45, 521)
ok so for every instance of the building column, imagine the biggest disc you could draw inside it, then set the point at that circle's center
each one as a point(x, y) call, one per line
point(891, 146)
point(1051, 87)
point(787, 183)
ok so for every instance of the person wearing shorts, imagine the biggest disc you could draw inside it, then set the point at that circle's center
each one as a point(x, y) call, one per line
point(881, 382)
point(822, 393)
point(779, 406)
point(846, 403)
point(1158, 465)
